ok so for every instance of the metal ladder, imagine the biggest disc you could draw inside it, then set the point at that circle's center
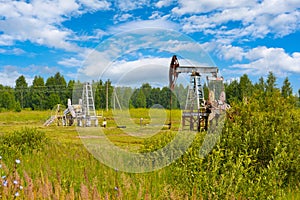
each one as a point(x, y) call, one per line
point(88, 106)
point(194, 108)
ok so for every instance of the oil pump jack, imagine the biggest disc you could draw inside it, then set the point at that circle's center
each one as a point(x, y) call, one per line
point(198, 111)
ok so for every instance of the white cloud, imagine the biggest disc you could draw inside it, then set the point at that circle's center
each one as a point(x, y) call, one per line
point(70, 62)
point(229, 52)
point(122, 17)
point(163, 3)
point(204, 6)
point(144, 24)
point(95, 4)
point(253, 19)
point(153, 70)
point(126, 5)
point(14, 51)
point(40, 21)
point(9, 75)
point(8, 79)
point(261, 60)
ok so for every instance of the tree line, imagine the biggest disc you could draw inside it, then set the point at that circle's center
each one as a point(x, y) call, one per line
point(43, 95)
point(242, 90)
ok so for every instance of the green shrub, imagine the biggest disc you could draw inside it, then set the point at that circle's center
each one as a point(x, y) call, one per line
point(257, 156)
point(18, 107)
point(24, 141)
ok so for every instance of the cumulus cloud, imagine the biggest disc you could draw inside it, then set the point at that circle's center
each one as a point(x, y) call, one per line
point(163, 3)
point(71, 62)
point(40, 21)
point(9, 75)
point(192, 6)
point(143, 24)
point(122, 17)
point(126, 5)
point(13, 51)
point(254, 19)
point(261, 60)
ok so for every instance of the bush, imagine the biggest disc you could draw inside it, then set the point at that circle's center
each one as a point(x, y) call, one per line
point(257, 156)
point(24, 141)
point(18, 107)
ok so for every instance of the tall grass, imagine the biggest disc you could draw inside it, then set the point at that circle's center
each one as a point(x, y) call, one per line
point(255, 159)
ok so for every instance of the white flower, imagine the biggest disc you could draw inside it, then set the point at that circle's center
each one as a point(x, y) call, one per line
point(21, 187)
point(0, 157)
point(17, 194)
point(5, 183)
point(18, 161)
point(3, 177)
point(15, 182)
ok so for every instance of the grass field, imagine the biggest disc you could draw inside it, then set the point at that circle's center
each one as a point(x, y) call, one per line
point(54, 164)
point(65, 169)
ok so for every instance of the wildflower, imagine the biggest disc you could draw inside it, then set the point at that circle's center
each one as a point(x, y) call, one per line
point(116, 188)
point(15, 182)
point(0, 157)
point(17, 194)
point(21, 187)
point(18, 161)
point(3, 177)
point(5, 183)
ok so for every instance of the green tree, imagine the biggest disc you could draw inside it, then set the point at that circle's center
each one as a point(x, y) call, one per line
point(154, 96)
point(37, 94)
point(146, 88)
point(109, 93)
point(53, 100)
point(21, 91)
point(100, 95)
point(56, 84)
point(70, 87)
point(233, 92)
point(286, 89)
point(245, 87)
point(138, 99)
point(164, 98)
point(7, 98)
point(259, 87)
point(271, 83)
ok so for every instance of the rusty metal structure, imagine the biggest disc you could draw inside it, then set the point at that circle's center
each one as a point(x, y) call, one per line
point(198, 112)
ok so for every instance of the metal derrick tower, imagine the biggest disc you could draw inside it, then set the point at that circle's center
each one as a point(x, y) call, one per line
point(84, 112)
point(88, 115)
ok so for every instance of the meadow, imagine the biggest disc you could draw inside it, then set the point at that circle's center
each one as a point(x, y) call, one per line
point(256, 157)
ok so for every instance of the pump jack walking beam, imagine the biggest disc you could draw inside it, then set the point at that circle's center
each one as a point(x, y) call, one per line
point(176, 69)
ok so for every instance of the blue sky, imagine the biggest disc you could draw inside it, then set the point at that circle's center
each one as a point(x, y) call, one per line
point(41, 37)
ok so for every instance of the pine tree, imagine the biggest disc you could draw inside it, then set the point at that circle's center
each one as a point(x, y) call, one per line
point(271, 83)
point(245, 87)
point(286, 89)
point(21, 91)
point(37, 94)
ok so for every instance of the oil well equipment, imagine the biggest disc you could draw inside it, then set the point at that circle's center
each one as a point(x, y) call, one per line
point(83, 113)
point(198, 111)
